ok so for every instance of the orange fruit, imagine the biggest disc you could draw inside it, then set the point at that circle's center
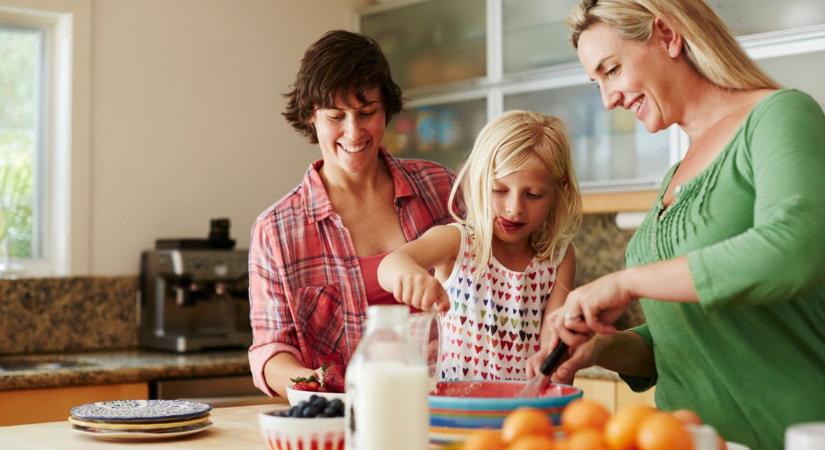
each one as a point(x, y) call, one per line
point(620, 430)
point(582, 414)
point(526, 422)
point(533, 442)
point(485, 440)
point(687, 417)
point(662, 431)
point(586, 439)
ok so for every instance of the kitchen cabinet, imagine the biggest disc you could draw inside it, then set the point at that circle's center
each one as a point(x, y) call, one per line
point(464, 62)
point(45, 405)
point(614, 394)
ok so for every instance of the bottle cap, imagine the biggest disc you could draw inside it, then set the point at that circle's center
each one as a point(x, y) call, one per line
point(805, 436)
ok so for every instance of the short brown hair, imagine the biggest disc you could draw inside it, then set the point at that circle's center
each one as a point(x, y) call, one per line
point(340, 63)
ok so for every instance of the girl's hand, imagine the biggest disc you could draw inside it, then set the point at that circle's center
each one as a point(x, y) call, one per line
point(533, 366)
point(422, 291)
point(593, 308)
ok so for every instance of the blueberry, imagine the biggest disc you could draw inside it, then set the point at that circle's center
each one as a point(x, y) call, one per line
point(319, 402)
point(337, 403)
point(295, 411)
point(309, 411)
point(332, 411)
point(313, 398)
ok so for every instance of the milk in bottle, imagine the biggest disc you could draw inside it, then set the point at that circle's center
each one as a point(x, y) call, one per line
point(387, 386)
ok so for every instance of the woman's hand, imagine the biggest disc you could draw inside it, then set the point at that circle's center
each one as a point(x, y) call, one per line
point(580, 357)
point(422, 291)
point(593, 308)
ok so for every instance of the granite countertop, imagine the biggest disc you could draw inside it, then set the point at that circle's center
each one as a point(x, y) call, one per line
point(90, 368)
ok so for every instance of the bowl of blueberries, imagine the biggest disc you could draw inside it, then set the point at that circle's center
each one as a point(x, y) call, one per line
point(313, 423)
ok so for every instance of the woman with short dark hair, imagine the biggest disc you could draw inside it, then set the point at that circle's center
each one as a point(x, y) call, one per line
point(314, 254)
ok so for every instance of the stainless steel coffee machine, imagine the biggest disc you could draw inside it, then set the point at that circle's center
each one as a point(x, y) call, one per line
point(194, 295)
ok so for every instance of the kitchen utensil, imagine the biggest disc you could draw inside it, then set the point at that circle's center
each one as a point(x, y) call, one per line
point(539, 383)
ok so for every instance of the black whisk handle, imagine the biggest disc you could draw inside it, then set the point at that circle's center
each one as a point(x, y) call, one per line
point(551, 363)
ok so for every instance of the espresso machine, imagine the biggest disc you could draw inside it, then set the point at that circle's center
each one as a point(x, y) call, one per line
point(194, 294)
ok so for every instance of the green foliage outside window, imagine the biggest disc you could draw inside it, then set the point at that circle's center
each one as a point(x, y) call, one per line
point(20, 55)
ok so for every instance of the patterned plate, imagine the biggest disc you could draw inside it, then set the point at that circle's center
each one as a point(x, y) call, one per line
point(120, 435)
point(154, 426)
point(140, 411)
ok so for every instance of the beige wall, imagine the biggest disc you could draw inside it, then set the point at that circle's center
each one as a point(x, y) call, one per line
point(186, 124)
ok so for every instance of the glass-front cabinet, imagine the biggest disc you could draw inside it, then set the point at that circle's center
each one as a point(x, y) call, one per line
point(462, 62)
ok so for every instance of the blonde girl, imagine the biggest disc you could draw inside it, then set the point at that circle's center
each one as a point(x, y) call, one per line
point(507, 261)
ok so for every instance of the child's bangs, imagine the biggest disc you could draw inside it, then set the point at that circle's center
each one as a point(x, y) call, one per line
point(515, 158)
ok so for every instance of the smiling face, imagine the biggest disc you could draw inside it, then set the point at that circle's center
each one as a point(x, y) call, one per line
point(350, 132)
point(631, 74)
point(521, 201)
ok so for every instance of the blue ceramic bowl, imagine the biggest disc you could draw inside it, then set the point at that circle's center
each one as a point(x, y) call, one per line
point(458, 408)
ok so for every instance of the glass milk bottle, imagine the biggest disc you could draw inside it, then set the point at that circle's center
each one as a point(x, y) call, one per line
point(387, 386)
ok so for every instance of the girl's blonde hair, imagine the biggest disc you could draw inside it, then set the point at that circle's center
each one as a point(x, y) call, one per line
point(710, 47)
point(507, 144)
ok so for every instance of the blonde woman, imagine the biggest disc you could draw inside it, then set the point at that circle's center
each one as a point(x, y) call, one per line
point(730, 261)
point(508, 260)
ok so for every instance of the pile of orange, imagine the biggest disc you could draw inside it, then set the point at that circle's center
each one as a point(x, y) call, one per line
point(587, 425)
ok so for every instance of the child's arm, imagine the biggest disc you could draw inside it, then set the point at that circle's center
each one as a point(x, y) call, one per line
point(565, 280)
point(406, 271)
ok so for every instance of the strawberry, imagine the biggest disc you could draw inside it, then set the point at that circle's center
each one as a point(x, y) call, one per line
point(332, 377)
point(309, 383)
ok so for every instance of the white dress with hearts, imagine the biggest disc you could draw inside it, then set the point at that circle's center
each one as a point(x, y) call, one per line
point(495, 316)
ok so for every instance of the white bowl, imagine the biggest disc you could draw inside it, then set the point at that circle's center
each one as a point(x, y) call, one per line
point(295, 396)
point(306, 433)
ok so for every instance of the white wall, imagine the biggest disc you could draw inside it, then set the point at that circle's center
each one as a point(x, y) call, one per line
point(186, 124)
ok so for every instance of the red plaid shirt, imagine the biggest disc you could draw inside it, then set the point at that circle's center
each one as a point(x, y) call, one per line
point(306, 291)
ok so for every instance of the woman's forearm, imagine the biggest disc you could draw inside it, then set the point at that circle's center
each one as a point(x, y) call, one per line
point(279, 369)
point(665, 280)
point(624, 352)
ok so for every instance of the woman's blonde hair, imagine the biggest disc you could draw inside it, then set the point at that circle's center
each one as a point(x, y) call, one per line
point(710, 47)
point(507, 144)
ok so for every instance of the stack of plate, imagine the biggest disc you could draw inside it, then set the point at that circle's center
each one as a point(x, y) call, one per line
point(140, 419)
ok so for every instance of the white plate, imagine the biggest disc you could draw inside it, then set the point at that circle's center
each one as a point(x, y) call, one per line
point(735, 446)
point(139, 435)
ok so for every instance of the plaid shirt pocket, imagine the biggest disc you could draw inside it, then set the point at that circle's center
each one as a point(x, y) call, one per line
point(320, 323)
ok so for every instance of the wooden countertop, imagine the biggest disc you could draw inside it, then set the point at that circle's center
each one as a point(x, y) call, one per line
point(233, 428)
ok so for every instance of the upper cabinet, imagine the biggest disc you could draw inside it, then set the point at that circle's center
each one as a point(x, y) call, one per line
point(432, 43)
point(463, 62)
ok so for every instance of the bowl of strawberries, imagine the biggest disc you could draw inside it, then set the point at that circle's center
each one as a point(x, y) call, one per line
point(328, 382)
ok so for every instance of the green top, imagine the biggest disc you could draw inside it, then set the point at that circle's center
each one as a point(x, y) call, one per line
point(749, 358)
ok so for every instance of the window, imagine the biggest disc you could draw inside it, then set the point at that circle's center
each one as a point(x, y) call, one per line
point(21, 143)
point(37, 138)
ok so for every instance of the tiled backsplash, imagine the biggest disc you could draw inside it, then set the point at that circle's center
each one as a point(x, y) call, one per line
point(95, 313)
